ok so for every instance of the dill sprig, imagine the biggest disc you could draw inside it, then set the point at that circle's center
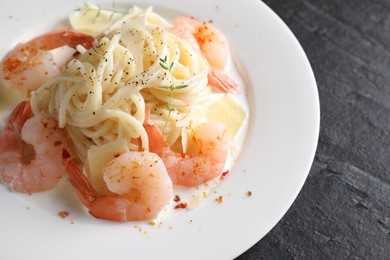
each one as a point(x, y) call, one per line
point(168, 67)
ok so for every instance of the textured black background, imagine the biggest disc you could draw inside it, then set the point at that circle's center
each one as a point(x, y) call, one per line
point(343, 210)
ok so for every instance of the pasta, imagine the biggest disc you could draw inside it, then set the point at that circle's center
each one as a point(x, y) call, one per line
point(125, 108)
point(102, 95)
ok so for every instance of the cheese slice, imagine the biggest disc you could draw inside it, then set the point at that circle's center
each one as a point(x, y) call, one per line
point(99, 157)
point(228, 111)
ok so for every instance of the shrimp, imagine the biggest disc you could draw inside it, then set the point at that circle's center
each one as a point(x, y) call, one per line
point(30, 151)
point(207, 161)
point(30, 64)
point(208, 41)
point(205, 164)
point(139, 183)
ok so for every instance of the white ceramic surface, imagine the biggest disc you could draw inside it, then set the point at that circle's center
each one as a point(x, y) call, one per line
point(277, 156)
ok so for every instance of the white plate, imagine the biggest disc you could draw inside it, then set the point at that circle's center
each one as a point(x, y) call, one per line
point(280, 146)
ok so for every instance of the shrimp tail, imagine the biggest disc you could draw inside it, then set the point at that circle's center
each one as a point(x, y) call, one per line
point(19, 116)
point(84, 189)
point(89, 196)
point(67, 37)
point(222, 81)
point(156, 137)
point(75, 38)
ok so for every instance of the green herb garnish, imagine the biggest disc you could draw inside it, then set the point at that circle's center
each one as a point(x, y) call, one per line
point(168, 67)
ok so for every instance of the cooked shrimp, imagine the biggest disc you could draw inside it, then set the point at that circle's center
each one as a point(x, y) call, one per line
point(30, 151)
point(205, 163)
point(211, 43)
point(139, 183)
point(30, 64)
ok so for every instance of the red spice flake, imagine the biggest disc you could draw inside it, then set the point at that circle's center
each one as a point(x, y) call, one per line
point(57, 143)
point(181, 205)
point(12, 65)
point(176, 199)
point(183, 155)
point(219, 199)
point(65, 154)
point(116, 155)
point(225, 173)
point(63, 214)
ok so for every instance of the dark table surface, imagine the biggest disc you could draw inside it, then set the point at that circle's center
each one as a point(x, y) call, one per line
point(343, 210)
